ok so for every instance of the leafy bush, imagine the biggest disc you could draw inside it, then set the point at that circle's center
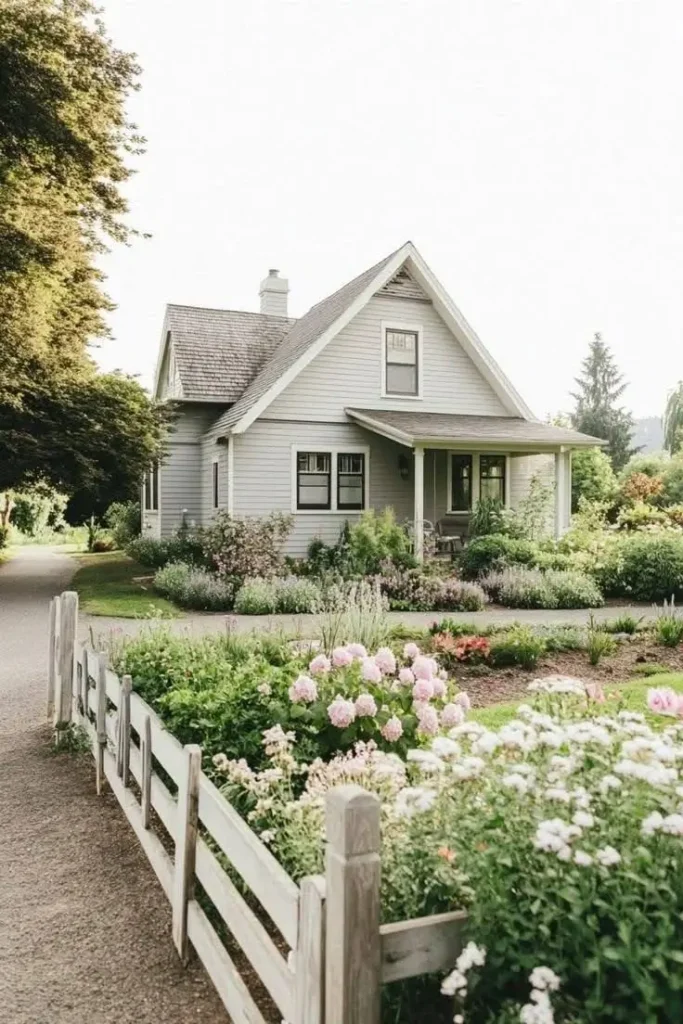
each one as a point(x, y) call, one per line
point(244, 547)
point(520, 587)
point(668, 625)
point(649, 668)
point(102, 542)
point(412, 590)
point(640, 515)
point(190, 586)
point(471, 650)
point(484, 554)
point(4, 535)
point(519, 645)
point(642, 567)
point(623, 623)
point(377, 539)
point(558, 639)
point(593, 478)
point(287, 595)
point(154, 552)
point(352, 611)
point(491, 516)
point(600, 644)
point(123, 519)
point(38, 511)
point(640, 487)
point(456, 628)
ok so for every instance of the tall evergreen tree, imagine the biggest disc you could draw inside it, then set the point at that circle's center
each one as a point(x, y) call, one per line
point(673, 420)
point(597, 412)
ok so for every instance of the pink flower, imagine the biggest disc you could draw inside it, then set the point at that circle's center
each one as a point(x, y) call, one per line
point(428, 719)
point(411, 651)
point(393, 730)
point(385, 661)
point(341, 712)
point(357, 650)
point(463, 699)
point(664, 701)
point(406, 677)
point(341, 657)
point(439, 687)
point(303, 690)
point(365, 705)
point(452, 715)
point(424, 668)
point(423, 689)
point(320, 665)
point(371, 672)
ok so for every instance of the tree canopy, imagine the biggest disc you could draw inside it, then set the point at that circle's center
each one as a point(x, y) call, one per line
point(673, 420)
point(64, 141)
point(597, 412)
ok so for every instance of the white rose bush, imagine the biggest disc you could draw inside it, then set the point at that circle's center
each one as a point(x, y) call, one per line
point(560, 833)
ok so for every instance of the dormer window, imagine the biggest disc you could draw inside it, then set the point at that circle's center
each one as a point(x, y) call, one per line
point(401, 360)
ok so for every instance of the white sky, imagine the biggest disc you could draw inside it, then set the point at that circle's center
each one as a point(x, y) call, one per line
point(532, 149)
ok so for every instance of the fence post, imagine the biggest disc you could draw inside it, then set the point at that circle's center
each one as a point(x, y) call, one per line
point(68, 626)
point(101, 721)
point(309, 963)
point(185, 846)
point(352, 940)
point(52, 648)
point(123, 758)
point(82, 694)
point(146, 758)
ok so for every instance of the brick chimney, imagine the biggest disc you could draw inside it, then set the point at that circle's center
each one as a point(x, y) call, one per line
point(273, 294)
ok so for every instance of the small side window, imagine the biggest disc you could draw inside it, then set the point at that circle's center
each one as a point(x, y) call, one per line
point(214, 483)
point(351, 481)
point(151, 489)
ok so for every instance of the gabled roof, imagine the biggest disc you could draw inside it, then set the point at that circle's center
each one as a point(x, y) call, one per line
point(411, 428)
point(218, 352)
point(324, 321)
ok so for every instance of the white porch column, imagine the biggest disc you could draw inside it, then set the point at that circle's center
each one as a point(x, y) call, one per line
point(563, 492)
point(419, 483)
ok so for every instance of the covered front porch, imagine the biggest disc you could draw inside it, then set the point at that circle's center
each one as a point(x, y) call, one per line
point(455, 461)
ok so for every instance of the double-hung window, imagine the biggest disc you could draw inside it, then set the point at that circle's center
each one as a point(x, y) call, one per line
point(461, 483)
point(150, 489)
point(475, 477)
point(492, 477)
point(330, 481)
point(401, 362)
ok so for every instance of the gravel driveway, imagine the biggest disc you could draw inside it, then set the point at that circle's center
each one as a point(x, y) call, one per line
point(84, 926)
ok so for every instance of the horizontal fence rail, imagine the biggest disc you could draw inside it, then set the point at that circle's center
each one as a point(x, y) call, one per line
point(324, 956)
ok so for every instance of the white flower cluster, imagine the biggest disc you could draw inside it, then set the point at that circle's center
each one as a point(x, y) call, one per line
point(539, 1009)
point(455, 984)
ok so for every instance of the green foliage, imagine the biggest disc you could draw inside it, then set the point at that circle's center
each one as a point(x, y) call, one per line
point(322, 558)
point(109, 584)
point(673, 420)
point(155, 552)
point(558, 639)
point(123, 519)
point(280, 595)
point(352, 612)
point(412, 590)
point(490, 516)
point(600, 643)
point(639, 515)
point(600, 386)
point(623, 623)
point(668, 625)
point(456, 628)
point(642, 567)
point(38, 511)
point(653, 464)
point(672, 482)
point(495, 551)
point(593, 478)
point(519, 645)
point(534, 513)
point(190, 586)
point(520, 587)
point(649, 668)
point(243, 547)
point(376, 539)
point(4, 534)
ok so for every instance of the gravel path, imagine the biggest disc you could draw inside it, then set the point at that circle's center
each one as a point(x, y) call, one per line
point(84, 926)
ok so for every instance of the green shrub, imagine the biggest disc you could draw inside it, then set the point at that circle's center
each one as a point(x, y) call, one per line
point(649, 668)
point(558, 639)
point(182, 546)
point(592, 477)
point(243, 547)
point(668, 625)
point(103, 542)
point(485, 554)
point(623, 623)
point(190, 586)
point(457, 629)
point(4, 535)
point(123, 519)
point(639, 515)
point(645, 567)
point(520, 587)
point(519, 645)
point(289, 595)
point(490, 516)
point(600, 644)
point(377, 539)
point(412, 590)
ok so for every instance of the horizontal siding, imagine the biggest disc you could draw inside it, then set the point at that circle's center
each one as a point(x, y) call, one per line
point(348, 371)
point(193, 421)
point(180, 486)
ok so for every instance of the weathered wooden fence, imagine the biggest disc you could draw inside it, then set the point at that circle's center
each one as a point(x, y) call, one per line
point(339, 953)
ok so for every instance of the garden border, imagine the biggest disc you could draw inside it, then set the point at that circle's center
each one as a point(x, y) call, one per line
point(341, 954)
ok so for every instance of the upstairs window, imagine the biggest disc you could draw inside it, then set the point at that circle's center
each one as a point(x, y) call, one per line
point(314, 480)
point(151, 489)
point(351, 481)
point(492, 477)
point(401, 362)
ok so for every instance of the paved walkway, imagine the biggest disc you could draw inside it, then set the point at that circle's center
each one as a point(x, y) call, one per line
point(84, 926)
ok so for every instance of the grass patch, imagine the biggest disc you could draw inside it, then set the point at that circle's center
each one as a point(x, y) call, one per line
point(105, 587)
point(630, 696)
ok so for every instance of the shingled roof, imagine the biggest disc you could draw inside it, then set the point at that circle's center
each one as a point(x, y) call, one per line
point(218, 352)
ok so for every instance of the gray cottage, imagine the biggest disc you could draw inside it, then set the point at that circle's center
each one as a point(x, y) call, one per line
point(381, 395)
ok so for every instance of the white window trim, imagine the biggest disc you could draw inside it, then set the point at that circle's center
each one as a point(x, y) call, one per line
point(401, 325)
point(152, 511)
point(476, 480)
point(333, 451)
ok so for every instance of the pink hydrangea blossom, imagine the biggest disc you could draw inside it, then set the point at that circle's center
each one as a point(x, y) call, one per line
point(452, 715)
point(423, 689)
point(428, 719)
point(341, 712)
point(463, 699)
point(385, 661)
point(411, 651)
point(439, 687)
point(406, 677)
point(392, 730)
point(424, 668)
point(357, 650)
point(366, 705)
point(341, 657)
point(320, 665)
point(303, 690)
point(664, 701)
point(371, 672)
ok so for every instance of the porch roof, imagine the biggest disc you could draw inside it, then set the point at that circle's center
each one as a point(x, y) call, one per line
point(449, 429)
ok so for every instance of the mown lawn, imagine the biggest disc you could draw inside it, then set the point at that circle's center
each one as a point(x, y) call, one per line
point(105, 585)
point(630, 696)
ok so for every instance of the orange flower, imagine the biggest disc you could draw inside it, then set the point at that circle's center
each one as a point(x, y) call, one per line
point(446, 853)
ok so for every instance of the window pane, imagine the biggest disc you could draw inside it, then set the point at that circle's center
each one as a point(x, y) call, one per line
point(350, 463)
point(461, 482)
point(492, 477)
point(316, 494)
point(215, 485)
point(402, 347)
point(350, 495)
point(313, 480)
point(351, 480)
point(401, 380)
point(155, 487)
